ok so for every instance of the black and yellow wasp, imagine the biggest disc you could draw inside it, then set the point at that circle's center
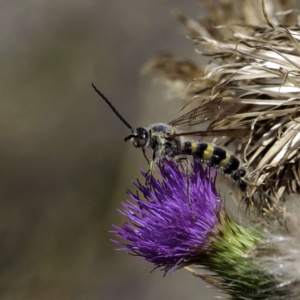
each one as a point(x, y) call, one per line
point(166, 142)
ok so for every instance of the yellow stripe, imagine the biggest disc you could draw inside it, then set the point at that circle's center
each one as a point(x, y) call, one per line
point(225, 161)
point(193, 147)
point(207, 154)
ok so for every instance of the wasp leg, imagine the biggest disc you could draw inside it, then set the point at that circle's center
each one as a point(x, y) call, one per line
point(144, 152)
point(151, 166)
point(188, 171)
point(149, 173)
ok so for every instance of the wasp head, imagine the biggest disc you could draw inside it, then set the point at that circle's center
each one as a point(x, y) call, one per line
point(139, 137)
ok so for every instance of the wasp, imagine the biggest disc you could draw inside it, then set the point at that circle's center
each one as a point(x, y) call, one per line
point(166, 142)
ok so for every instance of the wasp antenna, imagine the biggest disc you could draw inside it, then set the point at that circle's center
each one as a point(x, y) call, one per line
point(113, 108)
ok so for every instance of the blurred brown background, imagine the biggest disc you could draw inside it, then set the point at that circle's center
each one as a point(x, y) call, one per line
point(65, 166)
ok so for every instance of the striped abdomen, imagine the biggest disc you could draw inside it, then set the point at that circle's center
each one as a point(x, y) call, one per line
point(218, 158)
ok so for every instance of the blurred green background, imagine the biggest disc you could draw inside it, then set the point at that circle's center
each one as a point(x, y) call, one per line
point(65, 166)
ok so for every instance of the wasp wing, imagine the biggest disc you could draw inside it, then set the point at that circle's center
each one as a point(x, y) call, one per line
point(237, 133)
point(207, 111)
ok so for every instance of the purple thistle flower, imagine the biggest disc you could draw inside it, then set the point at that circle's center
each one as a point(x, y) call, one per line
point(164, 228)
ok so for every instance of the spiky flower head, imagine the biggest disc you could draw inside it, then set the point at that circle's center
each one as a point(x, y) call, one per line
point(167, 230)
